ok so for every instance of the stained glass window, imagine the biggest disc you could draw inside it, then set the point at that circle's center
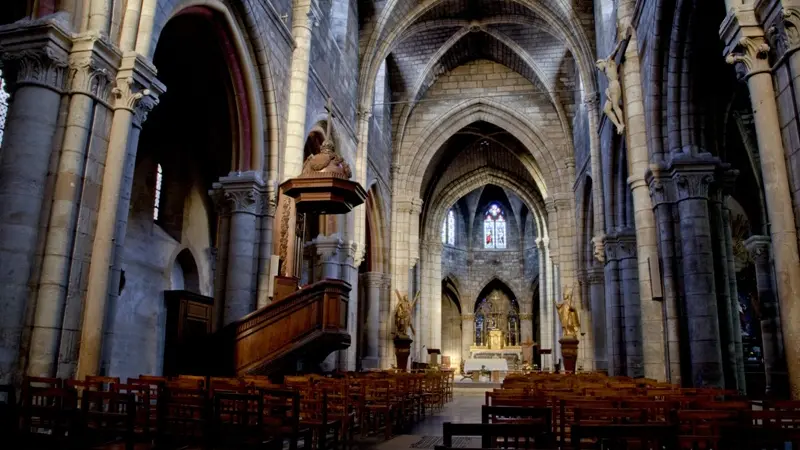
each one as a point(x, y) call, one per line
point(449, 229)
point(3, 106)
point(494, 228)
point(157, 203)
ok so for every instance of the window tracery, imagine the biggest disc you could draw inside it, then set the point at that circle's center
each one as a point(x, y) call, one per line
point(494, 228)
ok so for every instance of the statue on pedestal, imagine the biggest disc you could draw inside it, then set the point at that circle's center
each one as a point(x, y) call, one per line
point(609, 67)
point(568, 316)
point(402, 316)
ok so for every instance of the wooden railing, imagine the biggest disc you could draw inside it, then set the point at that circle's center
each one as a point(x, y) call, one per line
point(309, 324)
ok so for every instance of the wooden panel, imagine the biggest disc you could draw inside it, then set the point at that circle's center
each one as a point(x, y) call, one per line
point(189, 325)
point(315, 316)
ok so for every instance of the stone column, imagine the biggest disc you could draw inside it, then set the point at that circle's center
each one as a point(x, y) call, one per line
point(631, 302)
point(265, 279)
point(597, 299)
point(526, 327)
point(327, 248)
point(91, 65)
point(662, 196)
point(692, 180)
point(728, 318)
point(728, 178)
point(35, 55)
point(242, 194)
point(134, 98)
point(774, 362)
point(373, 281)
point(749, 51)
point(467, 334)
point(545, 302)
point(353, 254)
point(615, 325)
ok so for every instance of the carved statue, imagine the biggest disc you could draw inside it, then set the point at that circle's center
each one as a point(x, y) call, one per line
point(568, 316)
point(327, 162)
point(610, 68)
point(402, 316)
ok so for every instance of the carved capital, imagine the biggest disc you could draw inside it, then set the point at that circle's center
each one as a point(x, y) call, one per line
point(416, 206)
point(525, 316)
point(46, 67)
point(592, 100)
point(327, 247)
point(373, 280)
point(791, 25)
point(92, 66)
point(595, 275)
point(759, 248)
point(598, 248)
point(550, 205)
point(467, 317)
point(626, 245)
point(692, 185)
point(750, 54)
point(569, 162)
point(356, 252)
point(660, 185)
point(240, 193)
point(364, 114)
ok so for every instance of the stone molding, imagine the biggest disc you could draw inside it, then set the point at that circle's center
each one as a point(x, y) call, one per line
point(239, 193)
point(36, 52)
point(759, 248)
point(467, 317)
point(372, 279)
point(525, 316)
point(327, 247)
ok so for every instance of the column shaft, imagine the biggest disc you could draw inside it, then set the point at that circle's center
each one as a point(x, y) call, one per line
point(615, 325)
point(728, 320)
point(298, 89)
point(774, 362)
point(37, 69)
point(130, 95)
point(372, 290)
point(467, 335)
point(597, 300)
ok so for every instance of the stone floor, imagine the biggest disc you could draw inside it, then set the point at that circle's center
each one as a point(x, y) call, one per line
point(465, 408)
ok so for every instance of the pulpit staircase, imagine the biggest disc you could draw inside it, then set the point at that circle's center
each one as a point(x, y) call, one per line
point(298, 331)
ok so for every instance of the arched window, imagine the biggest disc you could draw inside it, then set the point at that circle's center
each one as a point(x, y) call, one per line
point(157, 202)
point(449, 229)
point(3, 105)
point(494, 228)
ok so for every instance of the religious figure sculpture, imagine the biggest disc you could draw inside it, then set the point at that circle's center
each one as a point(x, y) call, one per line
point(610, 68)
point(568, 316)
point(327, 162)
point(402, 316)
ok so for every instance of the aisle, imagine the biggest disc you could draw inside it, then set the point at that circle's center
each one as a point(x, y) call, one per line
point(465, 408)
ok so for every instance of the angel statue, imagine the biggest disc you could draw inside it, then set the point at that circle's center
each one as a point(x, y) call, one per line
point(568, 316)
point(402, 316)
point(610, 68)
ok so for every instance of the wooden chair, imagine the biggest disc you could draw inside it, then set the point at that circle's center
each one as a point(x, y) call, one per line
point(107, 417)
point(145, 414)
point(379, 405)
point(237, 421)
point(183, 417)
point(624, 436)
point(281, 417)
point(48, 417)
point(9, 412)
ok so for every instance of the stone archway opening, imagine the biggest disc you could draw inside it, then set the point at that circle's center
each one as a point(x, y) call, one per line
point(198, 135)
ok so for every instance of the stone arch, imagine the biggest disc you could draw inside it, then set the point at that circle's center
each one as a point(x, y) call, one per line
point(540, 162)
point(376, 227)
point(185, 264)
point(248, 53)
point(491, 281)
point(460, 187)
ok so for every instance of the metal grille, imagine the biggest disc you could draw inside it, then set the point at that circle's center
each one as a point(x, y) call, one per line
point(3, 105)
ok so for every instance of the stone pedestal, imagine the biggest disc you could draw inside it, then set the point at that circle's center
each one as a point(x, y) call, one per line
point(402, 349)
point(569, 351)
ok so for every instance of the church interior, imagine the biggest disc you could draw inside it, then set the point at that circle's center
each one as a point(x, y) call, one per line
point(400, 224)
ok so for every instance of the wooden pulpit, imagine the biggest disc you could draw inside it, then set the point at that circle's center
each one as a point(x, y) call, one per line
point(190, 323)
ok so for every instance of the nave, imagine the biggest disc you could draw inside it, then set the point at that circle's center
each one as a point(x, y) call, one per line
point(385, 410)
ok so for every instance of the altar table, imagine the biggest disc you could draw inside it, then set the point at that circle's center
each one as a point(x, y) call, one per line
point(494, 365)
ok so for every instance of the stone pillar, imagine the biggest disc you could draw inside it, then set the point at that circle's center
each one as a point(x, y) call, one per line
point(692, 180)
point(615, 325)
point(631, 302)
point(373, 282)
point(136, 93)
point(467, 334)
point(662, 196)
point(745, 40)
point(597, 299)
point(774, 362)
point(327, 248)
point(728, 318)
point(265, 279)
point(728, 178)
point(241, 194)
point(91, 65)
point(545, 302)
point(353, 256)
point(35, 57)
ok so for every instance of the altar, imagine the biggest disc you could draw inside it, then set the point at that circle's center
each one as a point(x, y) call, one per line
point(497, 349)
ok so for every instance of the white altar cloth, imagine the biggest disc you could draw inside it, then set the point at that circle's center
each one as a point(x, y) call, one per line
point(496, 364)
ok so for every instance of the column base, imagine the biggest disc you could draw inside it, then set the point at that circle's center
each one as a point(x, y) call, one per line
point(370, 363)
